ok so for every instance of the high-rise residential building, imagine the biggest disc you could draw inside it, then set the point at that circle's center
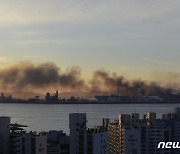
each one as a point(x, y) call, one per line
point(4, 135)
point(114, 138)
point(78, 133)
point(57, 142)
point(133, 135)
point(28, 143)
point(129, 140)
point(151, 136)
point(15, 140)
point(173, 121)
point(97, 140)
point(85, 140)
point(22, 142)
point(40, 142)
point(176, 133)
point(124, 135)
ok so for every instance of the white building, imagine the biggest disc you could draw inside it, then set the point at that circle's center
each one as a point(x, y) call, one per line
point(100, 143)
point(129, 133)
point(130, 141)
point(133, 135)
point(97, 140)
point(4, 135)
point(87, 140)
point(40, 143)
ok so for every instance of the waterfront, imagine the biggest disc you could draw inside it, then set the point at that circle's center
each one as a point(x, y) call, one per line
point(44, 117)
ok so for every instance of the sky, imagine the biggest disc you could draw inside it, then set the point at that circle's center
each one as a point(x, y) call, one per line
point(135, 38)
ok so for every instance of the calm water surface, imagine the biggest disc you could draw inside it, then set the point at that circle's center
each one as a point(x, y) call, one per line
point(44, 117)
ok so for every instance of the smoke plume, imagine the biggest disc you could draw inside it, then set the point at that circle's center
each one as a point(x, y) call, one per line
point(26, 74)
point(112, 83)
point(29, 76)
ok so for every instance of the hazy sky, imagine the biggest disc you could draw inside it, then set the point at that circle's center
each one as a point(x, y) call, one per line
point(131, 37)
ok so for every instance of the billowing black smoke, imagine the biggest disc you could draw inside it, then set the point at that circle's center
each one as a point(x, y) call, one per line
point(25, 74)
point(39, 76)
point(112, 83)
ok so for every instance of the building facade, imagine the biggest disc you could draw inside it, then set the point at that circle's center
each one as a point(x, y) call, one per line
point(4, 135)
point(78, 133)
point(132, 135)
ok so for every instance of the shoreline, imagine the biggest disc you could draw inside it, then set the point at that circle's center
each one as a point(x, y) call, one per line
point(86, 102)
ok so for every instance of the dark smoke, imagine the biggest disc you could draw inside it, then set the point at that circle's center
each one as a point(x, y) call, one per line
point(27, 75)
point(112, 83)
point(106, 82)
